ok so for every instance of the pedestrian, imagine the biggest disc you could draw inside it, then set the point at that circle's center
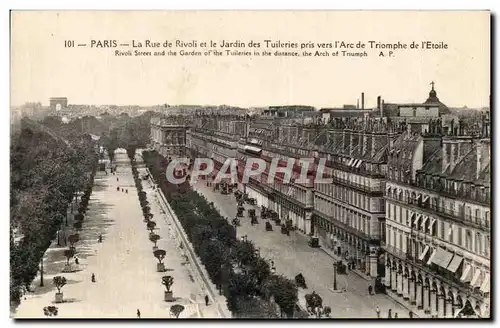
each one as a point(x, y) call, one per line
point(370, 289)
point(206, 300)
point(116, 178)
point(93, 277)
point(410, 314)
point(100, 238)
point(138, 314)
point(76, 260)
point(126, 191)
point(395, 315)
point(117, 188)
point(378, 312)
point(389, 314)
point(122, 189)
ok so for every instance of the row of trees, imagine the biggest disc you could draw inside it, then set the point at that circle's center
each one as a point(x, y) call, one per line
point(120, 131)
point(47, 172)
point(234, 265)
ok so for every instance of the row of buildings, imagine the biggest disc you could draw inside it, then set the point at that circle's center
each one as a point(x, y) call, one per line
point(410, 198)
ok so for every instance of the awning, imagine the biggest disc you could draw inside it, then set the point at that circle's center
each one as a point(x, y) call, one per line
point(426, 197)
point(466, 276)
point(422, 255)
point(455, 263)
point(253, 149)
point(350, 162)
point(485, 287)
point(442, 258)
point(475, 280)
point(359, 164)
point(431, 257)
point(355, 162)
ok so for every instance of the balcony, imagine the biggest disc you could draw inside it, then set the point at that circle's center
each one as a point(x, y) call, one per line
point(445, 187)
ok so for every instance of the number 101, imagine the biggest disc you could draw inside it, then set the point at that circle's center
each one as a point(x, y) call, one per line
point(69, 44)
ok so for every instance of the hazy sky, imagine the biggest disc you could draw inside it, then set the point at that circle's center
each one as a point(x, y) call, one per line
point(41, 67)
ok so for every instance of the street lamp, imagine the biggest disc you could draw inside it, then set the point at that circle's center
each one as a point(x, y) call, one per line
point(335, 288)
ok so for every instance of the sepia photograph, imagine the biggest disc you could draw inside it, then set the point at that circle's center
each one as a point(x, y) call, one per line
point(303, 165)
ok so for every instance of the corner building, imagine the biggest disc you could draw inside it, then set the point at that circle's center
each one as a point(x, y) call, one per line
point(438, 222)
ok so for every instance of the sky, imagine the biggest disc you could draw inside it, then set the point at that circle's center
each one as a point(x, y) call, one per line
point(42, 67)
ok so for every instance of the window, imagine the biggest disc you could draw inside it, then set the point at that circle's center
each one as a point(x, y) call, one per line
point(442, 229)
point(478, 244)
point(459, 236)
point(487, 219)
point(468, 239)
point(487, 245)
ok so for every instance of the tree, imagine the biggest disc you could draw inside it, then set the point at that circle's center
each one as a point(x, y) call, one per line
point(73, 239)
point(151, 226)
point(244, 252)
point(59, 282)
point(176, 310)
point(154, 238)
point(167, 281)
point(69, 253)
point(79, 216)
point(284, 292)
point(160, 255)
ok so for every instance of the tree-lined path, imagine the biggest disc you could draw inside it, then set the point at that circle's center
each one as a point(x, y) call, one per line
point(123, 264)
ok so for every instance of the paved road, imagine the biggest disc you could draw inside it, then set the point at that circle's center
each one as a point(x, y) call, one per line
point(292, 255)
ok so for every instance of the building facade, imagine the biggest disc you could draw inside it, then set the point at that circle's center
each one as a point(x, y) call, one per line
point(438, 221)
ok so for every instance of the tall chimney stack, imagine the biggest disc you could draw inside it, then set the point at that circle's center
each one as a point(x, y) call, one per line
point(362, 100)
point(357, 104)
point(378, 103)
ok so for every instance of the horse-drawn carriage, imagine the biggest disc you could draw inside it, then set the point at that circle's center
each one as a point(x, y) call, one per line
point(269, 227)
point(314, 242)
point(236, 222)
point(225, 189)
point(251, 201)
point(379, 286)
point(253, 216)
point(300, 281)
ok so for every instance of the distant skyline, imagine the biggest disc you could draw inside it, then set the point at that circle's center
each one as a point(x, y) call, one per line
point(41, 67)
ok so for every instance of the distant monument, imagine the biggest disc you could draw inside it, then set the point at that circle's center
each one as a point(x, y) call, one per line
point(58, 103)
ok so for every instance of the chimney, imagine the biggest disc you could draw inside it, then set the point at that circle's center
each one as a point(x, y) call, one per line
point(357, 105)
point(378, 102)
point(362, 100)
